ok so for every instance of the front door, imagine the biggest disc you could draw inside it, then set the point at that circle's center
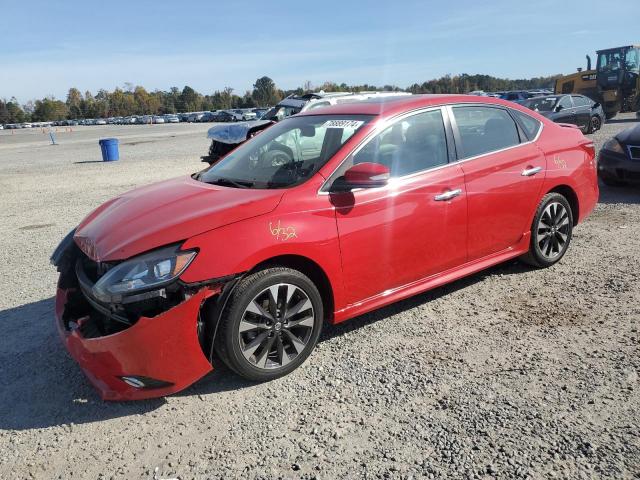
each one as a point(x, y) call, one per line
point(416, 225)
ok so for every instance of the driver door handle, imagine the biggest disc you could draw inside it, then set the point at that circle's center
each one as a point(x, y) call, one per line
point(528, 172)
point(448, 195)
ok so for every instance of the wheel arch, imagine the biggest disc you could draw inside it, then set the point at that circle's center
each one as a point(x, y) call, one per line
point(309, 268)
point(569, 193)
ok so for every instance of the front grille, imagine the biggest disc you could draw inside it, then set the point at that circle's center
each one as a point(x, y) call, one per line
point(634, 152)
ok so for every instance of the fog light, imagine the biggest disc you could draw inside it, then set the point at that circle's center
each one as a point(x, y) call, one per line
point(133, 381)
point(138, 381)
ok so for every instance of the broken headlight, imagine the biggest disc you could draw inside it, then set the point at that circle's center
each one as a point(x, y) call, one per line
point(150, 271)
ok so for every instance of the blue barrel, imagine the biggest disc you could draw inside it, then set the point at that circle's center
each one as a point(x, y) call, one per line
point(109, 147)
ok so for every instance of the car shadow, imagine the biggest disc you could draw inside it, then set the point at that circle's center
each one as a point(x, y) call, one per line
point(42, 386)
point(90, 161)
point(512, 267)
point(622, 120)
point(629, 194)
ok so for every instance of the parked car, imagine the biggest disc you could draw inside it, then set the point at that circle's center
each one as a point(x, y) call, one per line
point(260, 112)
point(1, 127)
point(27, 125)
point(619, 159)
point(516, 96)
point(170, 118)
point(225, 116)
point(195, 117)
point(225, 138)
point(248, 258)
point(100, 121)
point(574, 109)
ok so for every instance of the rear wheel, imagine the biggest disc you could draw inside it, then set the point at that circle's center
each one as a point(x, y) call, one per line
point(551, 231)
point(271, 324)
point(594, 124)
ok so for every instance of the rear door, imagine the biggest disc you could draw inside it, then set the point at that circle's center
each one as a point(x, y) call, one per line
point(503, 173)
point(566, 113)
point(582, 107)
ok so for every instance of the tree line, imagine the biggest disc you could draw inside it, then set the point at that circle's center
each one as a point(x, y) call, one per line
point(136, 100)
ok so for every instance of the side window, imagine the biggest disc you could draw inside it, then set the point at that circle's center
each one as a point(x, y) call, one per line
point(410, 145)
point(565, 102)
point(529, 125)
point(485, 129)
point(579, 101)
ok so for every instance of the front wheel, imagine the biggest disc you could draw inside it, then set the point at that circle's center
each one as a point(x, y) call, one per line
point(271, 324)
point(551, 231)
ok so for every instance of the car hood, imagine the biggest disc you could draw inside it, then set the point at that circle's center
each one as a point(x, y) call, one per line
point(630, 136)
point(233, 133)
point(165, 213)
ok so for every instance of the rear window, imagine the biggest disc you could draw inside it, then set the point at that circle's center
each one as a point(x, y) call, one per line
point(529, 125)
point(485, 129)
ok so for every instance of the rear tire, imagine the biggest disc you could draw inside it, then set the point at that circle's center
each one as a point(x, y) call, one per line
point(271, 324)
point(594, 124)
point(551, 231)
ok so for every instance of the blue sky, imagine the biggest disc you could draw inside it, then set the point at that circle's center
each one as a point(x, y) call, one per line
point(47, 47)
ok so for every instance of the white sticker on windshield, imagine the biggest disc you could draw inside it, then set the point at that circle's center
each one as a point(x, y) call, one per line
point(342, 124)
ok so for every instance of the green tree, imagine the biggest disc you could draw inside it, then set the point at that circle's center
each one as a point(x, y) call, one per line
point(265, 92)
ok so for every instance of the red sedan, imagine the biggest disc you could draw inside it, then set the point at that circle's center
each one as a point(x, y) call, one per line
point(321, 217)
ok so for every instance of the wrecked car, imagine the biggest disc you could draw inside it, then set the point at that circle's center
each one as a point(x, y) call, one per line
point(225, 138)
point(322, 217)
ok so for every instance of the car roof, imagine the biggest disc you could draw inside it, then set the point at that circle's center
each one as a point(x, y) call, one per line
point(388, 106)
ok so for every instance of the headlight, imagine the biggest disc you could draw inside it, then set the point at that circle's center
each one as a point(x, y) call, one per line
point(146, 272)
point(614, 146)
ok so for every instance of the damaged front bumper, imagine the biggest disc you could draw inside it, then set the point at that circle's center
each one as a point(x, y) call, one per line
point(152, 358)
point(150, 347)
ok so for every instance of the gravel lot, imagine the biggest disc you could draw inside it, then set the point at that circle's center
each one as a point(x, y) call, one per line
point(510, 373)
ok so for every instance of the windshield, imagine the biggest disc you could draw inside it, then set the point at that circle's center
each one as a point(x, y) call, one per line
point(280, 112)
point(285, 154)
point(544, 104)
point(610, 61)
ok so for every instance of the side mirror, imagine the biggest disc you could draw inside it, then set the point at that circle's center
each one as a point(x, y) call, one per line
point(595, 105)
point(362, 175)
point(558, 108)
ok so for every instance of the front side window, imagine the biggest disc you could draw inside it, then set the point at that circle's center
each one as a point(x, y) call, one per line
point(565, 103)
point(484, 129)
point(541, 104)
point(285, 154)
point(411, 145)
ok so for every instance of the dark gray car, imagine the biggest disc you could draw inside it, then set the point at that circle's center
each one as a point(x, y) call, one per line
point(619, 159)
point(574, 109)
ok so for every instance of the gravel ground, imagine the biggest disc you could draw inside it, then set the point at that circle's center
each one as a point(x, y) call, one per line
point(511, 373)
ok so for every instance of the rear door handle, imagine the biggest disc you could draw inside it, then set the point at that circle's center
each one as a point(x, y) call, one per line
point(448, 195)
point(528, 172)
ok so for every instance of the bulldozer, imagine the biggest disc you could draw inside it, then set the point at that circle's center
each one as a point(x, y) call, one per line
point(614, 83)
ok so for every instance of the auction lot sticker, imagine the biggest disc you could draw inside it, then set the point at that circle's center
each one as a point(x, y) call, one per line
point(342, 124)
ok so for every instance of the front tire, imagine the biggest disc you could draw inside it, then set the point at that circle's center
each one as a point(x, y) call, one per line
point(271, 324)
point(551, 231)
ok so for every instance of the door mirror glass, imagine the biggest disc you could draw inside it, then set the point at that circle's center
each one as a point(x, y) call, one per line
point(362, 175)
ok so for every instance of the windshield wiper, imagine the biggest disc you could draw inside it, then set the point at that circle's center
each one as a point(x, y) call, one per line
point(226, 182)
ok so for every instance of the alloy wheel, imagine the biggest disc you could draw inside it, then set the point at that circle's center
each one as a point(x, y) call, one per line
point(595, 124)
point(552, 231)
point(276, 326)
